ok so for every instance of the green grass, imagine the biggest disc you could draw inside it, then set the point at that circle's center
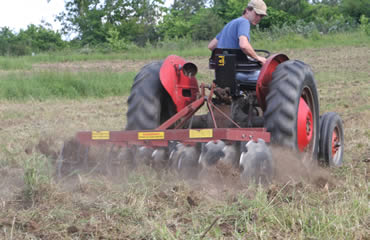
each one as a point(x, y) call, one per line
point(295, 41)
point(181, 47)
point(15, 63)
point(15, 85)
point(45, 85)
point(354, 88)
point(187, 48)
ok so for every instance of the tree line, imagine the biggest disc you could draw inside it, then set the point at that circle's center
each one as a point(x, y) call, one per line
point(115, 24)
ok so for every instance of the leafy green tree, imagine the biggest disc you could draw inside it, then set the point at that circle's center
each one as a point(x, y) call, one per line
point(356, 8)
point(365, 24)
point(93, 19)
point(188, 8)
point(83, 17)
point(33, 39)
point(39, 38)
point(325, 11)
point(235, 8)
point(276, 18)
point(7, 37)
point(231, 9)
point(135, 20)
point(180, 18)
point(327, 2)
point(293, 7)
point(205, 24)
point(173, 26)
point(220, 7)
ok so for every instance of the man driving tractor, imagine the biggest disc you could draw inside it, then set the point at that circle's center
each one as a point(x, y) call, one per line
point(236, 34)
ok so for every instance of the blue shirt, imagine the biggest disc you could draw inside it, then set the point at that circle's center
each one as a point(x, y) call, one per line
point(229, 36)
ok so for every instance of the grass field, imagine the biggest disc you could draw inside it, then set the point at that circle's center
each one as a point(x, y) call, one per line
point(46, 101)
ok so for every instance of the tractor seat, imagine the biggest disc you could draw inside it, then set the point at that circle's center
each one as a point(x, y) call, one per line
point(247, 80)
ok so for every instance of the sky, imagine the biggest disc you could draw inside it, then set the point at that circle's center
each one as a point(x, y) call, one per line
point(18, 14)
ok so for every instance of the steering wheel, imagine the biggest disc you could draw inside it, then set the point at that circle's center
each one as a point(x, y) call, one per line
point(265, 52)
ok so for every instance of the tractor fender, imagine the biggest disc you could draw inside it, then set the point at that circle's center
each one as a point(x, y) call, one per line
point(266, 75)
point(178, 78)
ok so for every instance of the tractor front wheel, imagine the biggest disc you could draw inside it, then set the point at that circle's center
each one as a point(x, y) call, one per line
point(331, 140)
point(292, 111)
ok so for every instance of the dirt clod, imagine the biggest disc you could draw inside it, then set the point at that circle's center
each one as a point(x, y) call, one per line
point(72, 229)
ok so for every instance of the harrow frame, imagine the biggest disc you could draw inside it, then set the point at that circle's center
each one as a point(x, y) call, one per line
point(161, 136)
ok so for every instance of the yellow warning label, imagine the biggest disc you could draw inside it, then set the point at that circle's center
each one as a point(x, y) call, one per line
point(203, 133)
point(221, 60)
point(150, 135)
point(100, 135)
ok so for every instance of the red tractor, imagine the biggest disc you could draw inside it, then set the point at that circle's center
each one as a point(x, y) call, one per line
point(249, 107)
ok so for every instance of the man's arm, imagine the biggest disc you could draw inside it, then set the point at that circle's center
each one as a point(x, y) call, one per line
point(247, 48)
point(212, 44)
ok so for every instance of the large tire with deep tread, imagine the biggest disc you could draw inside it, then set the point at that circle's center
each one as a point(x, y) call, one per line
point(290, 81)
point(331, 140)
point(149, 104)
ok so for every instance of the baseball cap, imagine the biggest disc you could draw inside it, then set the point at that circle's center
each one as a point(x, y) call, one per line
point(259, 6)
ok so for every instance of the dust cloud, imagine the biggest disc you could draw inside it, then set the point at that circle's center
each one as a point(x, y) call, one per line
point(117, 163)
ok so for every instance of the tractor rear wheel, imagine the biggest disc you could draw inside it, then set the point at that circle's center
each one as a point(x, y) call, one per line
point(292, 112)
point(149, 104)
point(331, 140)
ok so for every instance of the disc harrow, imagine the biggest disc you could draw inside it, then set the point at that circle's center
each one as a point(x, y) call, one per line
point(250, 107)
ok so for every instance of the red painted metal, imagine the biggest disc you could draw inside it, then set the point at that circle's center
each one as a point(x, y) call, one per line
point(334, 143)
point(175, 82)
point(185, 113)
point(265, 77)
point(304, 125)
point(210, 109)
point(129, 138)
